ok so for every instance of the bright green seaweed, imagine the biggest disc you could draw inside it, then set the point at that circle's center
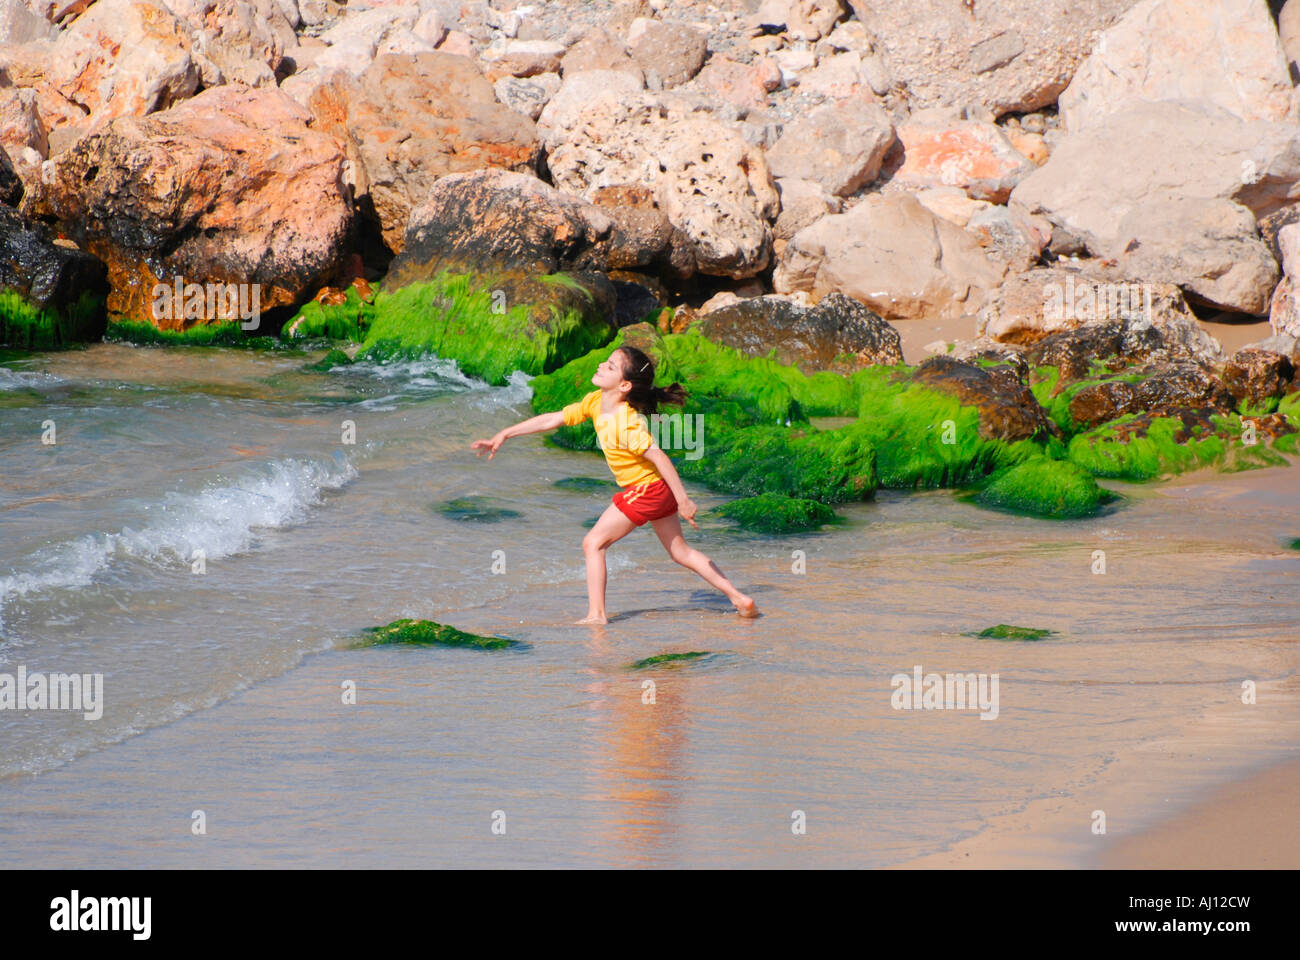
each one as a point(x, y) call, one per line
point(774, 513)
point(27, 327)
point(427, 633)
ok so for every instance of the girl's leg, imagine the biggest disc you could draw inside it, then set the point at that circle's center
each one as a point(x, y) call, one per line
point(612, 526)
point(669, 530)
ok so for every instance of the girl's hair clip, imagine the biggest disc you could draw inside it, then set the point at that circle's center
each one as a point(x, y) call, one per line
point(644, 367)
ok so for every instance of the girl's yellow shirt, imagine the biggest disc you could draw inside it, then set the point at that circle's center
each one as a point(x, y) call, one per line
point(622, 436)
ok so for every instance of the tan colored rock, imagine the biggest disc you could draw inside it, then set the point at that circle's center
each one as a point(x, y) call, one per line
point(1014, 236)
point(714, 187)
point(124, 58)
point(20, 24)
point(803, 203)
point(231, 186)
point(799, 19)
point(525, 58)
point(20, 122)
point(840, 146)
point(977, 157)
point(671, 52)
point(742, 84)
point(527, 96)
point(355, 40)
point(1158, 51)
point(951, 204)
point(1045, 300)
point(458, 43)
point(1031, 145)
point(237, 41)
point(415, 119)
point(600, 50)
point(842, 76)
point(1209, 247)
point(895, 256)
point(1151, 151)
point(1006, 55)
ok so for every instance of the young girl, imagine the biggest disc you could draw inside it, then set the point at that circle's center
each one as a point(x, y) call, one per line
point(652, 492)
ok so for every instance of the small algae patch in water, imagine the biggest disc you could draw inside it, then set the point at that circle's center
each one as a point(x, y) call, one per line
point(335, 358)
point(426, 633)
point(475, 509)
point(584, 483)
point(1295, 544)
point(773, 513)
point(669, 659)
point(1004, 631)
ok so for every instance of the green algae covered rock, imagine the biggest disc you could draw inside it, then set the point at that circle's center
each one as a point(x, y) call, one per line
point(669, 659)
point(476, 510)
point(1295, 544)
point(426, 633)
point(223, 334)
point(335, 358)
point(1005, 631)
point(1045, 488)
point(584, 483)
point(491, 324)
point(773, 513)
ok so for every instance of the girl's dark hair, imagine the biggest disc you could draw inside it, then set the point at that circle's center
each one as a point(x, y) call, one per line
point(645, 397)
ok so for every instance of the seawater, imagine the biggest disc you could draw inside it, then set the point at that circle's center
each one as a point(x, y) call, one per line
point(222, 687)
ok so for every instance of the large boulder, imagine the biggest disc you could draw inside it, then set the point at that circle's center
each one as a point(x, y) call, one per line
point(838, 334)
point(894, 255)
point(1031, 305)
point(669, 53)
point(840, 146)
point(1005, 55)
point(1256, 375)
point(67, 284)
point(1158, 51)
point(977, 157)
point(20, 24)
point(237, 41)
point(415, 118)
point(1210, 248)
point(124, 58)
point(713, 186)
point(1148, 152)
point(1284, 307)
point(1159, 391)
point(1120, 343)
point(232, 186)
point(1008, 409)
point(513, 221)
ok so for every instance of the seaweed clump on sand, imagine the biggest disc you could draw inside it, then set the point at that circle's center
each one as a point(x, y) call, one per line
point(1004, 631)
point(427, 633)
point(669, 659)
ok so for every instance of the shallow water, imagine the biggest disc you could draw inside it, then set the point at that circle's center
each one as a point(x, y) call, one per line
point(233, 675)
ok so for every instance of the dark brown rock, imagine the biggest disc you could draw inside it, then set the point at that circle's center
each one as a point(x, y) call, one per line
point(45, 274)
point(1119, 343)
point(1180, 386)
point(1008, 409)
point(838, 334)
point(1258, 375)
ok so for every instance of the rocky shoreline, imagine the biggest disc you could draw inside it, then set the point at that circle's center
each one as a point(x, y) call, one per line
point(759, 194)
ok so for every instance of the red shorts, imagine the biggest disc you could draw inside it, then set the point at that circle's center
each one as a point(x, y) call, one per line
point(643, 502)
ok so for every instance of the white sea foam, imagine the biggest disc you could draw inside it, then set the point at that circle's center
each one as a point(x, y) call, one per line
point(221, 519)
point(25, 379)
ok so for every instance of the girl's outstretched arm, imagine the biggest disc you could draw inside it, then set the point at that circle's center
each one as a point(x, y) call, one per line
point(685, 505)
point(538, 424)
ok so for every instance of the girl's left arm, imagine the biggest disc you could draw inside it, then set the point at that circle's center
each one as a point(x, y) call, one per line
point(685, 505)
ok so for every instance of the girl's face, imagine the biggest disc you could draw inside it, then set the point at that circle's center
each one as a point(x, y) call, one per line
point(609, 375)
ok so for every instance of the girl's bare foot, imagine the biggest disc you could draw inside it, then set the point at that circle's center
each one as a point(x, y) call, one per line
point(746, 607)
point(591, 619)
